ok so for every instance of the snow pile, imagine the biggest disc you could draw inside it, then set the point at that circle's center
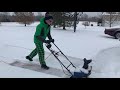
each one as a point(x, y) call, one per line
point(107, 63)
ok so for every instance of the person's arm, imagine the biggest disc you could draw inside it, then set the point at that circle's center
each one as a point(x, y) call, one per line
point(49, 35)
point(43, 40)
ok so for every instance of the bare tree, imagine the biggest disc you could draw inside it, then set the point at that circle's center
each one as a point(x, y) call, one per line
point(24, 17)
point(4, 16)
point(76, 16)
point(5, 13)
point(39, 16)
point(84, 16)
point(100, 18)
point(100, 14)
point(75, 20)
point(79, 14)
point(111, 17)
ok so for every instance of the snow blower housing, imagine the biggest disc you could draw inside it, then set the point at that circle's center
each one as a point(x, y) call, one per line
point(82, 72)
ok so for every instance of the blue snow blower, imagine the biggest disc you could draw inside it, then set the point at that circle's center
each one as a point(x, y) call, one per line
point(84, 72)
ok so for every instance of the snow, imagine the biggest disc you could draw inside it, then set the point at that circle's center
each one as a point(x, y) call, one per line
point(109, 59)
point(7, 71)
point(16, 41)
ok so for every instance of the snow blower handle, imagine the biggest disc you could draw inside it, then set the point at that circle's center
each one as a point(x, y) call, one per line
point(64, 55)
point(48, 45)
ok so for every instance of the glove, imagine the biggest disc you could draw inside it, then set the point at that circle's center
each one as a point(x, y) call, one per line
point(52, 40)
point(47, 41)
point(49, 46)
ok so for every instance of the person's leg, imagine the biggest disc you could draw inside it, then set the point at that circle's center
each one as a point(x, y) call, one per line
point(32, 54)
point(40, 51)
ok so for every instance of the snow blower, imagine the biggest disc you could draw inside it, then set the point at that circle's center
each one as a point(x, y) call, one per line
point(79, 72)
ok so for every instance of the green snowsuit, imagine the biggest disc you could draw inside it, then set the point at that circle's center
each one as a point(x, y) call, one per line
point(42, 31)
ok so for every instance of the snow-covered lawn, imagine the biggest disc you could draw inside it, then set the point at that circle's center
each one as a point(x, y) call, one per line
point(16, 41)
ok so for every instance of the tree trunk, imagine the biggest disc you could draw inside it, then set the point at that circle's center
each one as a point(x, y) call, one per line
point(110, 20)
point(75, 20)
point(110, 24)
point(54, 26)
point(64, 26)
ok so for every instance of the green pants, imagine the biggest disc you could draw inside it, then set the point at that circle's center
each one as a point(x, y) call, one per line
point(40, 51)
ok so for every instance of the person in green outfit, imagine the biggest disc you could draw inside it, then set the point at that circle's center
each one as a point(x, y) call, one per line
point(42, 31)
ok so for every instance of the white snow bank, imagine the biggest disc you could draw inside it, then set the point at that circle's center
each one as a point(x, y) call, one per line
point(107, 63)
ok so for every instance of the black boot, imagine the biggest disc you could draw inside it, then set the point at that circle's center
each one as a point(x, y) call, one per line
point(30, 59)
point(44, 66)
point(86, 62)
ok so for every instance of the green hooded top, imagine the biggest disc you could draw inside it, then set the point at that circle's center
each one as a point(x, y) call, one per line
point(42, 30)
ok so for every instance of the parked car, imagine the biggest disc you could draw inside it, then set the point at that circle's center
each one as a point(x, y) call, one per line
point(115, 32)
